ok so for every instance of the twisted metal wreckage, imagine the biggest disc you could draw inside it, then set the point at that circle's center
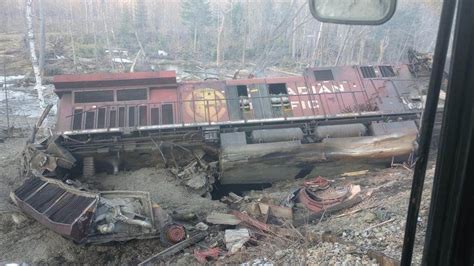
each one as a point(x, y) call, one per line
point(246, 131)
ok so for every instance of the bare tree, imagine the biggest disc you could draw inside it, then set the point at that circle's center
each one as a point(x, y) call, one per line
point(73, 44)
point(382, 46)
point(34, 59)
point(219, 35)
point(343, 46)
point(42, 46)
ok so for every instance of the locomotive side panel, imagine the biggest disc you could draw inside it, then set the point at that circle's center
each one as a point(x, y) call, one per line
point(303, 101)
point(163, 107)
point(340, 90)
point(64, 119)
point(203, 102)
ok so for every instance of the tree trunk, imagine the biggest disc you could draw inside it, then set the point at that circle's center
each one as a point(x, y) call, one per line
point(42, 46)
point(360, 56)
point(140, 44)
point(34, 58)
point(94, 30)
point(132, 68)
point(219, 40)
point(107, 39)
point(246, 32)
point(86, 7)
point(195, 38)
point(383, 44)
point(293, 40)
point(316, 46)
point(403, 49)
point(343, 46)
point(73, 45)
point(244, 48)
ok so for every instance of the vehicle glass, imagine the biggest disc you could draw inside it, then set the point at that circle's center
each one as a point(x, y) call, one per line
point(236, 131)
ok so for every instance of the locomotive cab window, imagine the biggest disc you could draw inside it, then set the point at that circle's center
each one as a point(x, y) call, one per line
point(242, 91)
point(167, 112)
point(323, 75)
point(132, 95)
point(387, 71)
point(94, 96)
point(277, 89)
point(77, 120)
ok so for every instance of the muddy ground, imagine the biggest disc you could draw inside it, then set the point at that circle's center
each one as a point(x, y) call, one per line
point(24, 240)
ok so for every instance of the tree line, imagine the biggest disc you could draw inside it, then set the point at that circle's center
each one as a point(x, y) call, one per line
point(259, 33)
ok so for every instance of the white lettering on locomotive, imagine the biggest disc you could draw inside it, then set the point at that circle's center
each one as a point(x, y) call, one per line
point(317, 89)
point(305, 104)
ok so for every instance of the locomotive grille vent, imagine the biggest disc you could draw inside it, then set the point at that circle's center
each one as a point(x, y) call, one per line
point(368, 72)
point(387, 71)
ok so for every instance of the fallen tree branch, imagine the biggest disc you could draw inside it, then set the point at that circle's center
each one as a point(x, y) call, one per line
point(379, 224)
point(39, 123)
point(174, 249)
point(356, 211)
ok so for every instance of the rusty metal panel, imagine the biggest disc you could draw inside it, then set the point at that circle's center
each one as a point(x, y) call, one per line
point(64, 211)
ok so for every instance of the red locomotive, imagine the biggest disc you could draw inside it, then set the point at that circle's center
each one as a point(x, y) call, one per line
point(111, 117)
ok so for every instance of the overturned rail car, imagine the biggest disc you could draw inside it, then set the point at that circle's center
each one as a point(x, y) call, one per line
point(88, 217)
point(255, 130)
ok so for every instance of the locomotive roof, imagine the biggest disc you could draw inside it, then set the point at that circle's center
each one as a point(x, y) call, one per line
point(77, 81)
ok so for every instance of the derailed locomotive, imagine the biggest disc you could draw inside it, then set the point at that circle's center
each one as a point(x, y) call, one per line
point(240, 131)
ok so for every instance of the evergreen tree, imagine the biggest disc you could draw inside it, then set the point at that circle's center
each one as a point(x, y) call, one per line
point(196, 15)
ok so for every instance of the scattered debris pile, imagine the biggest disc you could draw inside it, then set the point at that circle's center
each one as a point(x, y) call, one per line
point(198, 175)
point(254, 222)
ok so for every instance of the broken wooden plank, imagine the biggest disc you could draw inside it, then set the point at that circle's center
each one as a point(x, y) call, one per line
point(355, 173)
point(276, 211)
point(174, 249)
point(222, 218)
point(252, 222)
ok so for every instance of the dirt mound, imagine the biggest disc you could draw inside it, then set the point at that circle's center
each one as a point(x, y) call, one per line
point(164, 189)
